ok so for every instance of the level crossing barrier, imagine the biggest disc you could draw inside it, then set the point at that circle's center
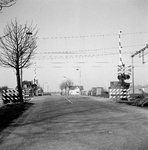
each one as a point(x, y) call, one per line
point(119, 93)
point(10, 96)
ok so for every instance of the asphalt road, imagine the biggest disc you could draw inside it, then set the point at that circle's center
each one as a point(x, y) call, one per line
point(78, 123)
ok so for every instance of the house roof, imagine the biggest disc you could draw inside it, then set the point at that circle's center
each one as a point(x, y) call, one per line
point(74, 87)
point(81, 87)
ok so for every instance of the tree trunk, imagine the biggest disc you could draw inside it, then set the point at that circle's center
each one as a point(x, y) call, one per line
point(19, 85)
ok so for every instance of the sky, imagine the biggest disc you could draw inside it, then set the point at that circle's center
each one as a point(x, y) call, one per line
point(79, 40)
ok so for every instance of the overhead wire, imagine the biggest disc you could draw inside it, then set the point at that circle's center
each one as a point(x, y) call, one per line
point(85, 50)
point(91, 36)
point(77, 56)
point(83, 53)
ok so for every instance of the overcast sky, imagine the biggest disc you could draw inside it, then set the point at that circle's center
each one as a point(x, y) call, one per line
point(81, 34)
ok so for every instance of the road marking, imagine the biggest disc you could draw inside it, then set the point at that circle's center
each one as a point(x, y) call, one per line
point(68, 100)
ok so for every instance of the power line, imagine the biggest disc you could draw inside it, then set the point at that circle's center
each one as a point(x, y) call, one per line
point(86, 50)
point(92, 36)
point(77, 56)
point(75, 51)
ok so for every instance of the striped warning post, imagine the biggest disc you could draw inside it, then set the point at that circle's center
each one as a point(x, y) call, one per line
point(119, 93)
point(121, 66)
point(129, 70)
point(120, 69)
point(10, 95)
point(120, 55)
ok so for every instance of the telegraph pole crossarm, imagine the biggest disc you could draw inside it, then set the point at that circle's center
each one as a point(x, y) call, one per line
point(138, 52)
point(133, 55)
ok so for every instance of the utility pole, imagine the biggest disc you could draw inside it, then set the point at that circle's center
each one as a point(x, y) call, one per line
point(133, 75)
point(141, 51)
point(136, 53)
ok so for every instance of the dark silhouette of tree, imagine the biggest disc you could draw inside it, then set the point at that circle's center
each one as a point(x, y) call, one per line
point(66, 85)
point(62, 86)
point(18, 48)
point(6, 3)
point(3, 88)
point(69, 83)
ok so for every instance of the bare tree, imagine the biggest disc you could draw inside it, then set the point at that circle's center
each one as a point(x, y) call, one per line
point(6, 3)
point(18, 48)
point(66, 85)
point(62, 87)
point(69, 84)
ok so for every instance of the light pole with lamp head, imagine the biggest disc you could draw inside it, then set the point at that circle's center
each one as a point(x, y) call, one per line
point(79, 69)
point(66, 77)
point(68, 84)
point(27, 33)
point(43, 86)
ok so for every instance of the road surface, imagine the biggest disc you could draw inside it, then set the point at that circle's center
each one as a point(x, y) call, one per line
point(78, 123)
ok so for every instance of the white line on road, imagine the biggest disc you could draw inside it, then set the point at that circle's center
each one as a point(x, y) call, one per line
point(68, 100)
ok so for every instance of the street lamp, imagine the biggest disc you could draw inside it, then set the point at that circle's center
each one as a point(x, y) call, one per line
point(66, 77)
point(79, 69)
point(27, 33)
point(133, 75)
point(44, 84)
point(67, 85)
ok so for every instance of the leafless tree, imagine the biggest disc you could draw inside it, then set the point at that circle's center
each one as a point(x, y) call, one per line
point(69, 83)
point(6, 3)
point(66, 85)
point(18, 48)
point(61, 86)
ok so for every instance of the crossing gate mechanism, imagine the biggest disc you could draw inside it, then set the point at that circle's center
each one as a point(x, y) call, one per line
point(119, 93)
point(10, 96)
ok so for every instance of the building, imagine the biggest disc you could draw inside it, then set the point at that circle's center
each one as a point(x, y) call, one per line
point(97, 91)
point(76, 90)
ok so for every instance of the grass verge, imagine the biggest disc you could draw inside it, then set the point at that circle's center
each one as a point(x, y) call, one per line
point(10, 112)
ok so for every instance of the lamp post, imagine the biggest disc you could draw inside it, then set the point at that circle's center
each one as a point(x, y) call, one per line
point(66, 77)
point(67, 86)
point(27, 33)
point(133, 75)
point(43, 85)
point(79, 69)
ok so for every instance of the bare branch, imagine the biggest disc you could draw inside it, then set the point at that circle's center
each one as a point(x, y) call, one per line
point(17, 47)
point(6, 3)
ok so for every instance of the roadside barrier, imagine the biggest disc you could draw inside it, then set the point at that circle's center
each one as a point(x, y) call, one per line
point(10, 96)
point(119, 93)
